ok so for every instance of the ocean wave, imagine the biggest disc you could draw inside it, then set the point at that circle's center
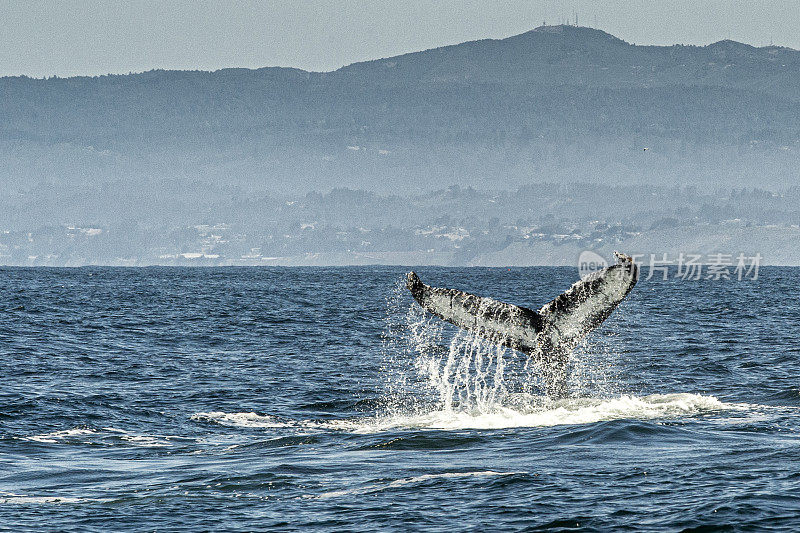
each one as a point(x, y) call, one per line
point(375, 487)
point(21, 499)
point(99, 436)
point(243, 419)
point(561, 412)
point(56, 436)
point(534, 413)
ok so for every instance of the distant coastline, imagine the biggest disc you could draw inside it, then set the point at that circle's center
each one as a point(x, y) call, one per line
point(523, 150)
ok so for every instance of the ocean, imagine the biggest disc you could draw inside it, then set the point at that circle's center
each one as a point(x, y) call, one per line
point(324, 399)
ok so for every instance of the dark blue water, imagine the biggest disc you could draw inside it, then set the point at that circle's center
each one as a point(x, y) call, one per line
point(321, 399)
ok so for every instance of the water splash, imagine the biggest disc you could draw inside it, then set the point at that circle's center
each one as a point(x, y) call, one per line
point(519, 411)
point(471, 376)
point(437, 376)
point(431, 366)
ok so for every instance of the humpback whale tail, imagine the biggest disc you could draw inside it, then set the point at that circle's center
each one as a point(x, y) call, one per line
point(547, 335)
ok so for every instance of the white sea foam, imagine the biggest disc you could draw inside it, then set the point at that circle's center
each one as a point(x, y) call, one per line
point(56, 436)
point(375, 487)
point(98, 436)
point(243, 419)
point(147, 441)
point(21, 499)
point(448, 475)
point(561, 412)
point(539, 413)
point(254, 420)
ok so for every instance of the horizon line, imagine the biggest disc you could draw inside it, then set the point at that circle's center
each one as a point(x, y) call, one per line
point(284, 67)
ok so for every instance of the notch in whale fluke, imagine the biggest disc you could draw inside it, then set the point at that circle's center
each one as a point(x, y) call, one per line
point(550, 333)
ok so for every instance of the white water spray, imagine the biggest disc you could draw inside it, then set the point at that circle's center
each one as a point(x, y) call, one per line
point(429, 365)
point(438, 376)
point(469, 377)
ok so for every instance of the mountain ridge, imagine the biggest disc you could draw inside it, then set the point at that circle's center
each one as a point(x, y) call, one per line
point(562, 29)
point(544, 143)
point(489, 113)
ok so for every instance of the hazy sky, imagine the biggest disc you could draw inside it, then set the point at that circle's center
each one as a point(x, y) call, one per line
point(89, 37)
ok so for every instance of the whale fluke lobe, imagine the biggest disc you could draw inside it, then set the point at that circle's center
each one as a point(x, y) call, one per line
point(502, 323)
point(547, 335)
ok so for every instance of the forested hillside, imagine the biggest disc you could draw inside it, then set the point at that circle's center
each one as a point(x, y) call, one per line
point(554, 104)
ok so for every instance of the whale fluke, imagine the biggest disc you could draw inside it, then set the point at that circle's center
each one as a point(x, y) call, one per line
point(549, 334)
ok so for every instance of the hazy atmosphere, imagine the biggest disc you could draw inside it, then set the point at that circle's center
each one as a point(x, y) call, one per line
point(523, 147)
point(89, 38)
